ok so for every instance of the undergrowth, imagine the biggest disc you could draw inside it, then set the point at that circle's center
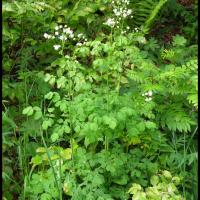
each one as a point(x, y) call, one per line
point(97, 104)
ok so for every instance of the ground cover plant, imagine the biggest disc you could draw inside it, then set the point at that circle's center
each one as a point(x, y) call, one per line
point(100, 100)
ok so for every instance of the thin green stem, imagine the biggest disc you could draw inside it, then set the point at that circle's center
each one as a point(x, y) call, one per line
point(50, 161)
point(60, 176)
point(184, 166)
point(188, 144)
point(106, 138)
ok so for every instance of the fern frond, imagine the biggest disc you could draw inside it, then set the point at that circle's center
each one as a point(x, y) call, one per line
point(145, 12)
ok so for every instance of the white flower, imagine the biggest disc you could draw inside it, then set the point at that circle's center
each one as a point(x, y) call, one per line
point(143, 94)
point(115, 10)
point(80, 35)
point(71, 35)
point(56, 33)
point(148, 99)
point(124, 15)
point(67, 30)
point(53, 37)
point(146, 93)
point(129, 11)
point(46, 35)
point(62, 37)
point(110, 22)
point(56, 46)
point(150, 93)
point(79, 44)
point(60, 26)
point(49, 36)
point(56, 28)
point(128, 27)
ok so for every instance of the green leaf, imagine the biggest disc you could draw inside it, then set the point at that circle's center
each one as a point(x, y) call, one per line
point(36, 160)
point(121, 180)
point(47, 123)
point(40, 150)
point(154, 180)
point(179, 41)
point(150, 125)
point(46, 196)
point(132, 132)
point(38, 115)
point(28, 111)
point(61, 82)
point(110, 121)
point(66, 153)
point(141, 126)
point(67, 129)
point(54, 137)
point(49, 95)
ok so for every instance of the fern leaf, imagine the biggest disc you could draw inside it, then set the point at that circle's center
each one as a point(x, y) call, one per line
point(145, 12)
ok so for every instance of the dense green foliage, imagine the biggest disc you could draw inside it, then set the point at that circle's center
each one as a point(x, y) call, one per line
point(99, 100)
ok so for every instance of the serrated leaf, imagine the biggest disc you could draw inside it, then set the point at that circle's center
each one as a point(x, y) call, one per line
point(150, 125)
point(110, 121)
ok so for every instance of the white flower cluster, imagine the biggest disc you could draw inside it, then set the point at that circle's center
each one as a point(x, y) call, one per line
point(148, 95)
point(64, 33)
point(121, 12)
point(56, 46)
point(125, 31)
point(135, 30)
point(121, 2)
point(110, 22)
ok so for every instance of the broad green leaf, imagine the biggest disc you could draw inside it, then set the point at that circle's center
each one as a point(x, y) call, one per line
point(47, 123)
point(36, 160)
point(49, 95)
point(28, 111)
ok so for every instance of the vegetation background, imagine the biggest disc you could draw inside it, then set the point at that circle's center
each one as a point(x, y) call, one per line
point(99, 99)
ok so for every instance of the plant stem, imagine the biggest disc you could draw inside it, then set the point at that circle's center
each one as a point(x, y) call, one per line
point(50, 161)
point(60, 174)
